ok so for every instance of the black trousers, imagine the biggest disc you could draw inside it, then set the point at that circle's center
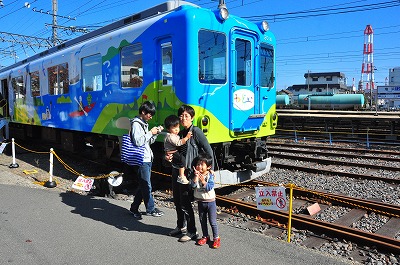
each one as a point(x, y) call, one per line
point(183, 197)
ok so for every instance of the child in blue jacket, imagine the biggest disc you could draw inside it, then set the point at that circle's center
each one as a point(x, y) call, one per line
point(204, 194)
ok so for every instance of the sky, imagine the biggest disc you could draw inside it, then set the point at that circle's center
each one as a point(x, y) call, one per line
point(312, 36)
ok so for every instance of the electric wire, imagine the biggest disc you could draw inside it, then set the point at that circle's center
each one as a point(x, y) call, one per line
point(349, 7)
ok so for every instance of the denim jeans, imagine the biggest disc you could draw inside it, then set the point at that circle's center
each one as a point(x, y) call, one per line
point(208, 209)
point(144, 189)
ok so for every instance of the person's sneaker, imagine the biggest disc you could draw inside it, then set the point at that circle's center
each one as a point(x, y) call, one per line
point(217, 242)
point(137, 215)
point(188, 237)
point(155, 213)
point(177, 231)
point(204, 240)
point(182, 180)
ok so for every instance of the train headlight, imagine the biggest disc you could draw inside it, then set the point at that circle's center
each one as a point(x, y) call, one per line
point(204, 121)
point(223, 14)
point(204, 124)
point(274, 120)
point(264, 26)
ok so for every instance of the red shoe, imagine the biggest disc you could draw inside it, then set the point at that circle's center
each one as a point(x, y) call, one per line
point(202, 241)
point(217, 242)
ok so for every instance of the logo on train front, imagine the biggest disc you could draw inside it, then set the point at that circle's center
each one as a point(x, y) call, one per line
point(243, 99)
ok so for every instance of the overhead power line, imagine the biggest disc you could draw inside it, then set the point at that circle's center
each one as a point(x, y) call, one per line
point(26, 40)
point(51, 13)
point(325, 11)
point(70, 28)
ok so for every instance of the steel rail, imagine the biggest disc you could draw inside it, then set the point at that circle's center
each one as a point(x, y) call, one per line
point(329, 162)
point(341, 154)
point(382, 243)
point(390, 209)
point(334, 172)
point(330, 147)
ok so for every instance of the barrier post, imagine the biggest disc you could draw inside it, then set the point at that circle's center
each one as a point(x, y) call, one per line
point(50, 183)
point(295, 136)
point(14, 164)
point(330, 138)
point(367, 138)
point(290, 211)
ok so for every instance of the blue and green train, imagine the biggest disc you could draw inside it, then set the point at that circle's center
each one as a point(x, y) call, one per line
point(86, 89)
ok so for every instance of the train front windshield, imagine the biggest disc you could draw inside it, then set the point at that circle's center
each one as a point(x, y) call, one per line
point(212, 60)
point(212, 57)
point(266, 65)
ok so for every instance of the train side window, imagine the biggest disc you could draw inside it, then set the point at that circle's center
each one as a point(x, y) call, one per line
point(166, 64)
point(132, 66)
point(212, 57)
point(267, 75)
point(58, 79)
point(91, 73)
point(18, 86)
point(35, 84)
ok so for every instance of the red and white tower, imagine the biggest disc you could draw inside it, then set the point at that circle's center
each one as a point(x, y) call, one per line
point(367, 71)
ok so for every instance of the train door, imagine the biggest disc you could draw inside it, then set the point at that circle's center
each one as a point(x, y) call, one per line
point(4, 98)
point(165, 81)
point(244, 111)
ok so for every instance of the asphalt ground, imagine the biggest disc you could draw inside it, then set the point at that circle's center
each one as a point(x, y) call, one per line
point(47, 226)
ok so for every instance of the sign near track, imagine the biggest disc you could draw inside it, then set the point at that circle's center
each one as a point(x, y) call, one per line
point(271, 198)
point(84, 184)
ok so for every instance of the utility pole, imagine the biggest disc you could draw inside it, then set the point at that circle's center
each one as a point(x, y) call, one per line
point(372, 89)
point(31, 41)
point(54, 25)
point(55, 8)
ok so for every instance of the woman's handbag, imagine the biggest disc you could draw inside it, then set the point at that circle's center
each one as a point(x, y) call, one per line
point(131, 154)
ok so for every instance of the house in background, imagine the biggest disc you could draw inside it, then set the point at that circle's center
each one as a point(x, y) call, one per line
point(322, 83)
point(389, 95)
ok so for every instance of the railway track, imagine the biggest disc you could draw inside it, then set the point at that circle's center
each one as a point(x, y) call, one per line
point(370, 128)
point(320, 231)
point(349, 119)
point(371, 225)
point(391, 155)
point(347, 162)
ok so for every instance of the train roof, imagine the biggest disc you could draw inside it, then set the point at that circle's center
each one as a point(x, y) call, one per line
point(145, 14)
